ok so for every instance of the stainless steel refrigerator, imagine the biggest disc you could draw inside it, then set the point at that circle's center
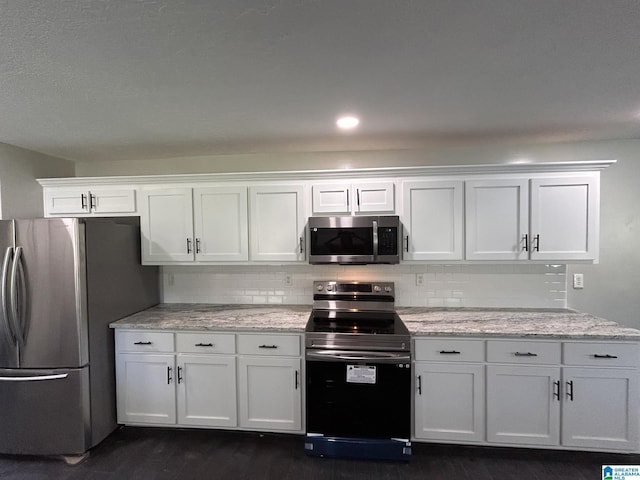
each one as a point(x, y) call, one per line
point(63, 281)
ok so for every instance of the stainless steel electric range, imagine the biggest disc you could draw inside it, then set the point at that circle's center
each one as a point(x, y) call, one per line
point(358, 373)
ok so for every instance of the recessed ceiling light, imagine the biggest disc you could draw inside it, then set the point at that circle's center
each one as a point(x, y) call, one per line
point(348, 122)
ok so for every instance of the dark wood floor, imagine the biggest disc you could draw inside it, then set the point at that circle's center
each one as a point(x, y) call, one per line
point(147, 453)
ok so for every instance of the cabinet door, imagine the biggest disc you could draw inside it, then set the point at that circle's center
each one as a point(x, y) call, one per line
point(523, 405)
point(497, 219)
point(600, 408)
point(330, 198)
point(206, 390)
point(145, 388)
point(277, 222)
point(166, 225)
point(112, 201)
point(449, 402)
point(220, 224)
point(374, 197)
point(432, 219)
point(564, 218)
point(270, 393)
point(62, 201)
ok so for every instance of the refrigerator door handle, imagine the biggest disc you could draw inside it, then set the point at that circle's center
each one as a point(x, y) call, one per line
point(18, 298)
point(35, 378)
point(6, 319)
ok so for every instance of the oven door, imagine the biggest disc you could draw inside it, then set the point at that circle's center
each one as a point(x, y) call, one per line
point(358, 394)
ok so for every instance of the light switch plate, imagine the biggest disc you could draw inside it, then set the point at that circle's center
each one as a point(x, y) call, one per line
point(578, 280)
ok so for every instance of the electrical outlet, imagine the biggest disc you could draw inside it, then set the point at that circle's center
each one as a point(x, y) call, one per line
point(419, 279)
point(288, 279)
point(578, 280)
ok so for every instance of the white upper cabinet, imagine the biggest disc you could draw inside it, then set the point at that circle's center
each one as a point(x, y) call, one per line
point(497, 219)
point(277, 223)
point(166, 225)
point(347, 198)
point(565, 218)
point(220, 224)
point(432, 218)
point(546, 218)
point(84, 201)
point(201, 224)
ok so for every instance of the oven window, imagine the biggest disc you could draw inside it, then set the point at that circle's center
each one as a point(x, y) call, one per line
point(336, 407)
point(342, 241)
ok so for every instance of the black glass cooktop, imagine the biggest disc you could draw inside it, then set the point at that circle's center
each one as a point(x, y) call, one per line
point(372, 323)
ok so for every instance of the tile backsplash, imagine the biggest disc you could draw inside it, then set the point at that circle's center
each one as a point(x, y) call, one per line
point(461, 285)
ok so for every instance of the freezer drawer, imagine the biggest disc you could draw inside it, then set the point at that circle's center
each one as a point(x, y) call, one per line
point(44, 412)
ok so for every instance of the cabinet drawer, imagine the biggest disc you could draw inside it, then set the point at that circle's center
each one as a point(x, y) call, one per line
point(205, 343)
point(507, 351)
point(601, 354)
point(449, 350)
point(269, 345)
point(142, 341)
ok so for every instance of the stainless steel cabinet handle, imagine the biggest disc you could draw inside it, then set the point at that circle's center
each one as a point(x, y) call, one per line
point(142, 343)
point(525, 238)
point(449, 352)
point(595, 355)
point(537, 243)
point(419, 384)
point(301, 244)
point(358, 196)
point(169, 377)
point(189, 249)
point(268, 346)
point(570, 390)
point(83, 201)
point(197, 245)
point(556, 389)
point(179, 374)
point(296, 380)
point(347, 192)
point(525, 354)
point(92, 201)
point(406, 243)
point(204, 344)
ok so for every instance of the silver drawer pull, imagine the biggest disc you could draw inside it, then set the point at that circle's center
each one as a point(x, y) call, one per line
point(204, 345)
point(525, 354)
point(449, 352)
point(604, 356)
point(142, 343)
point(268, 346)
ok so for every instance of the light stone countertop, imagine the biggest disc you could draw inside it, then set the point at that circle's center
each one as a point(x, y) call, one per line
point(473, 322)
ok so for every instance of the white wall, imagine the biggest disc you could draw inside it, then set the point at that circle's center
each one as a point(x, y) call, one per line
point(611, 287)
point(20, 194)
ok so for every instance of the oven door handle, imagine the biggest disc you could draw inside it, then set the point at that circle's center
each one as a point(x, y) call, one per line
point(362, 356)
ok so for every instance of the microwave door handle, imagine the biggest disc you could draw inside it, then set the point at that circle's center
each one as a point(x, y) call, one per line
point(375, 239)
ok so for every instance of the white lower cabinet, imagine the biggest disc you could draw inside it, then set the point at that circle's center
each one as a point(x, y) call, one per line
point(270, 393)
point(145, 388)
point(575, 395)
point(197, 379)
point(206, 390)
point(523, 405)
point(449, 402)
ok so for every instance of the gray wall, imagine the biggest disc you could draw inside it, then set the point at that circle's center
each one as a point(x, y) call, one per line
point(611, 287)
point(20, 194)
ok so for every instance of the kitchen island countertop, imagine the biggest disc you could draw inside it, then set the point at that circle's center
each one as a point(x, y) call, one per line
point(474, 322)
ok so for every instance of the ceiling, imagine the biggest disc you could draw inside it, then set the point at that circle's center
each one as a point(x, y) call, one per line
point(92, 80)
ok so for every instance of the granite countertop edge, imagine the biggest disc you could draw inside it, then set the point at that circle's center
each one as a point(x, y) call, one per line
point(478, 323)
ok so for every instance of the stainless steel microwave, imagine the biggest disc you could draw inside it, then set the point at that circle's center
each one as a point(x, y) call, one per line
point(354, 240)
